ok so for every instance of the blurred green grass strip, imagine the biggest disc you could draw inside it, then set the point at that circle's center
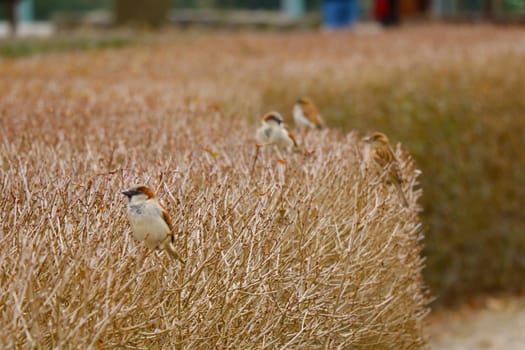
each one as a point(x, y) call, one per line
point(24, 47)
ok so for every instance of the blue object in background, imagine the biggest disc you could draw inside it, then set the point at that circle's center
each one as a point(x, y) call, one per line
point(25, 11)
point(340, 13)
point(293, 8)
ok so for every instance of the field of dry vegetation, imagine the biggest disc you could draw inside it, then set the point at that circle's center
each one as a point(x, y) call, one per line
point(291, 251)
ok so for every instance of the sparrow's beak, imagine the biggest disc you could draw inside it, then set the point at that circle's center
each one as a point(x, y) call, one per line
point(129, 193)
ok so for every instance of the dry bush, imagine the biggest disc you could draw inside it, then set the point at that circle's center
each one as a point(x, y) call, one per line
point(453, 96)
point(291, 251)
point(466, 130)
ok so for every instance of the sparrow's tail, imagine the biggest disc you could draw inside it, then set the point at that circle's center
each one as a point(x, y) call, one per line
point(401, 194)
point(173, 253)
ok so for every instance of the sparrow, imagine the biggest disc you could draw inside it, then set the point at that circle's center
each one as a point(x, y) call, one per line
point(273, 131)
point(306, 114)
point(149, 220)
point(380, 159)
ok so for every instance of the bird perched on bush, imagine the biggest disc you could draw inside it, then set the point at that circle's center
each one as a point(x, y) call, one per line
point(273, 131)
point(306, 115)
point(380, 159)
point(149, 220)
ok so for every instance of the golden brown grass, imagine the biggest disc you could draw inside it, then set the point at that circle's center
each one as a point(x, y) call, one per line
point(293, 252)
point(302, 253)
point(451, 95)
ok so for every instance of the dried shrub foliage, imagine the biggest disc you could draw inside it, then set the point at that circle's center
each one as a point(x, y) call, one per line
point(290, 251)
point(466, 131)
point(452, 95)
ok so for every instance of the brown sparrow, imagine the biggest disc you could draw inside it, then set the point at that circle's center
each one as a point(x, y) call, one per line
point(273, 131)
point(306, 114)
point(149, 220)
point(380, 159)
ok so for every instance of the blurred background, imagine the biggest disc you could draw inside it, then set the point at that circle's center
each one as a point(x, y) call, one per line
point(41, 17)
point(462, 114)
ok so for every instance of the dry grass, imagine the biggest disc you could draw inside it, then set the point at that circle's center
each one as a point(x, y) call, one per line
point(452, 96)
point(292, 252)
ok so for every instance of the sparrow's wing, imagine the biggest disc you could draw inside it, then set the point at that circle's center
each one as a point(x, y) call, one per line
point(291, 136)
point(311, 112)
point(169, 246)
point(167, 219)
point(395, 170)
point(383, 156)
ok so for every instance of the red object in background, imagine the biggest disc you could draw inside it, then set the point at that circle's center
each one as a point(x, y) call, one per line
point(381, 9)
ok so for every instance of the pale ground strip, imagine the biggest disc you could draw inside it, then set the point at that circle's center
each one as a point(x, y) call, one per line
point(498, 325)
point(45, 29)
point(25, 29)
